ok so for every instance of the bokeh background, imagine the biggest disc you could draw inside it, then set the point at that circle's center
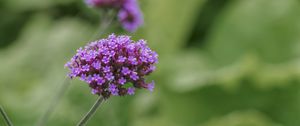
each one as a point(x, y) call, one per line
point(222, 63)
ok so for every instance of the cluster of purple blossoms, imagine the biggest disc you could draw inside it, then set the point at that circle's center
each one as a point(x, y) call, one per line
point(114, 66)
point(129, 14)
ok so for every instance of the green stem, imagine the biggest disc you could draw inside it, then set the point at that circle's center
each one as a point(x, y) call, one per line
point(44, 118)
point(108, 17)
point(91, 112)
point(7, 120)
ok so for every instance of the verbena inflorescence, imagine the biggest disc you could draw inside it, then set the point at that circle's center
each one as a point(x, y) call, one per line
point(129, 13)
point(114, 66)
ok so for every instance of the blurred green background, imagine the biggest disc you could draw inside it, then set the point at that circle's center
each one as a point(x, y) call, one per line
point(222, 63)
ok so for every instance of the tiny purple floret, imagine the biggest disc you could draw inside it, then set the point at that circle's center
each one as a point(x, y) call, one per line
point(130, 91)
point(150, 86)
point(125, 71)
point(122, 81)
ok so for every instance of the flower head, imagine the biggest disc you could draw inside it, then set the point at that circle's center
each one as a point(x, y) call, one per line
point(130, 16)
point(129, 13)
point(118, 74)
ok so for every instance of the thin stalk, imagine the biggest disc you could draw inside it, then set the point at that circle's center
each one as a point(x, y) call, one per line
point(7, 120)
point(108, 17)
point(91, 112)
point(44, 118)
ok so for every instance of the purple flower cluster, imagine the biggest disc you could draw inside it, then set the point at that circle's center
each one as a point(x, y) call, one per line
point(114, 66)
point(129, 14)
